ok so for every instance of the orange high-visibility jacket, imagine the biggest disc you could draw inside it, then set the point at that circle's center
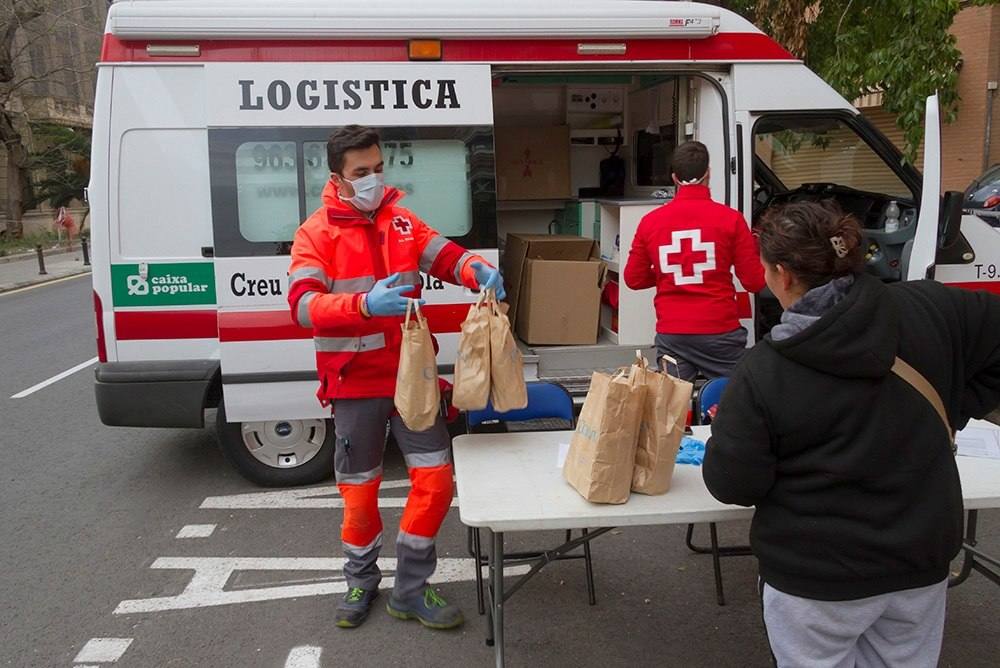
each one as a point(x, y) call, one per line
point(337, 256)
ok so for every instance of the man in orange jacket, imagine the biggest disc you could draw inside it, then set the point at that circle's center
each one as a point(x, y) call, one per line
point(355, 263)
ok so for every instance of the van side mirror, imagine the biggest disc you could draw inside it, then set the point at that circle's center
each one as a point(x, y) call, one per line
point(950, 224)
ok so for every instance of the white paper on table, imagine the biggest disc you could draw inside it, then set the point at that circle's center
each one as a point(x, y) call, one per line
point(979, 442)
point(561, 455)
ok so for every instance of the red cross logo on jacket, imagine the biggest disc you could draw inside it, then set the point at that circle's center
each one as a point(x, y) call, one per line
point(402, 225)
point(687, 257)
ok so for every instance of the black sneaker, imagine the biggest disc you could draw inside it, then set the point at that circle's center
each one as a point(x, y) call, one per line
point(428, 608)
point(354, 608)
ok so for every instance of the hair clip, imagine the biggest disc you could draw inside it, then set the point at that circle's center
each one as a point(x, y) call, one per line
point(839, 246)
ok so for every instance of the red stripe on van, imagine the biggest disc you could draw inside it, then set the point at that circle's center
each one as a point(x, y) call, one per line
point(278, 326)
point(259, 326)
point(150, 325)
point(986, 286)
point(248, 325)
point(723, 47)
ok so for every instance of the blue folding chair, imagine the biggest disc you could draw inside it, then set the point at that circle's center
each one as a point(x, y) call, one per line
point(709, 395)
point(546, 401)
point(550, 408)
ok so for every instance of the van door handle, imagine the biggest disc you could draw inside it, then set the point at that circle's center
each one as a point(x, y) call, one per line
point(207, 251)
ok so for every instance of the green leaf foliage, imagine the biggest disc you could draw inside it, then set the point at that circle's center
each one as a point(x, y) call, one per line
point(61, 163)
point(900, 47)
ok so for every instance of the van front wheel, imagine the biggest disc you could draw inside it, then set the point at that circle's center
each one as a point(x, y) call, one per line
point(278, 453)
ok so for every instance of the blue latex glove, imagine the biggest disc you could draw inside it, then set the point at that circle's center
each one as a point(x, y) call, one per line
point(489, 279)
point(691, 451)
point(387, 300)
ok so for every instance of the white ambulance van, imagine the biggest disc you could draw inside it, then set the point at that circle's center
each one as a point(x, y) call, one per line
point(209, 150)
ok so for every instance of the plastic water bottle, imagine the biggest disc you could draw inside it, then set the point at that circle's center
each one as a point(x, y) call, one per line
point(892, 217)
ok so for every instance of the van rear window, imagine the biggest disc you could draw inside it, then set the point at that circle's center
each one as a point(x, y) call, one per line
point(267, 181)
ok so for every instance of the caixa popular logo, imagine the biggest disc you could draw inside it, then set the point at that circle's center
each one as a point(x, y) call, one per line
point(348, 94)
point(166, 284)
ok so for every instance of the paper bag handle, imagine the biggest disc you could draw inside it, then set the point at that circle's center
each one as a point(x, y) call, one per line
point(412, 309)
point(668, 360)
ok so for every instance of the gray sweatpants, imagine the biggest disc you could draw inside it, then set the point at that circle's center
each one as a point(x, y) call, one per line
point(361, 437)
point(713, 355)
point(901, 629)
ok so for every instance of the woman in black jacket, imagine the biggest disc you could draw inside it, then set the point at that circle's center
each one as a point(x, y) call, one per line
point(859, 505)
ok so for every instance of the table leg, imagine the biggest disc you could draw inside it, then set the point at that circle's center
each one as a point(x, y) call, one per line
point(477, 555)
point(491, 594)
point(967, 558)
point(716, 564)
point(497, 560)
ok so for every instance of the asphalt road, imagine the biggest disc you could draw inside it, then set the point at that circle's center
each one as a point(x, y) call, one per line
point(87, 511)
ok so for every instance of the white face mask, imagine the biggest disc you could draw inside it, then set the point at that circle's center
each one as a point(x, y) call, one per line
point(368, 191)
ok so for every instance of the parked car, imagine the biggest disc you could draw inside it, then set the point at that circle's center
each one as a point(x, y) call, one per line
point(983, 196)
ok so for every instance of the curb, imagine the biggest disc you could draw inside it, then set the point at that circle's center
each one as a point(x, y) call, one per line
point(51, 279)
point(29, 255)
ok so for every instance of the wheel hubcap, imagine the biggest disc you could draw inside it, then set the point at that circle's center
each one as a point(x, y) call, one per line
point(284, 444)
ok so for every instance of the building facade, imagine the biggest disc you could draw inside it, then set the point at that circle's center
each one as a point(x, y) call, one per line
point(55, 71)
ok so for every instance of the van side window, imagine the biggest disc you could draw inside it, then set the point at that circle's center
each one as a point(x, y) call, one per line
point(267, 190)
point(432, 173)
point(266, 181)
point(823, 150)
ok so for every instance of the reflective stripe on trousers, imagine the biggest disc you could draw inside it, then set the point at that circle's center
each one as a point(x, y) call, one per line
point(360, 444)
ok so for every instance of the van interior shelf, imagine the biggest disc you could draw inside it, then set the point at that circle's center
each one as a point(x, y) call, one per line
point(532, 204)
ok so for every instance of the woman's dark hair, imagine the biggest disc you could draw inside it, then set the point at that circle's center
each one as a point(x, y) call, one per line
point(348, 138)
point(817, 242)
point(690, 161)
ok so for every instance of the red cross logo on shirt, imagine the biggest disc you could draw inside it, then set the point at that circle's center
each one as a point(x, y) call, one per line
point(687, 257)
point(402, 225)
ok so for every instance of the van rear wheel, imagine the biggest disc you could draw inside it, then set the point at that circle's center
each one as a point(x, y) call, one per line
point(278, 453)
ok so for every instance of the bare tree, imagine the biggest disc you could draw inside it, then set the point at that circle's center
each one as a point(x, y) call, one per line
point(27, 24)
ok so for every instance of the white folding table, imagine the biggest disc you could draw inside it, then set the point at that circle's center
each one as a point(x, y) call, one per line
point(513, 482)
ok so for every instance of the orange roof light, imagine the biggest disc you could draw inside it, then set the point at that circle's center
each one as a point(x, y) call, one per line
point(425, 49)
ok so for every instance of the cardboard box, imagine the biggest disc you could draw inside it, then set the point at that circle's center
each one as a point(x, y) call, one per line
point(532, 162)
point(554, 288)
point(560, 302)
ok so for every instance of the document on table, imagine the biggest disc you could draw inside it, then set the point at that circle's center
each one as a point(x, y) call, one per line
point(979, 442)
point(561, 455)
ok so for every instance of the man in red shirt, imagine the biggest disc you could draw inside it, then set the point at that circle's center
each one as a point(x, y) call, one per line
point(687, 250)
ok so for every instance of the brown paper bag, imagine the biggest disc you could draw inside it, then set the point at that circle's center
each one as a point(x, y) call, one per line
point(472, 367)
point(602, 451)
point(418, 396)
point(507, 388)
point(661, 428)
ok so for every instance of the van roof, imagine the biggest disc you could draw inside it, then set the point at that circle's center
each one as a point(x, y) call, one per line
point(311, 19)
point(508, 31)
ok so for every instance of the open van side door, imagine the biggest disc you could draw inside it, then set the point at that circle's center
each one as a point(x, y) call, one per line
point(920, 262)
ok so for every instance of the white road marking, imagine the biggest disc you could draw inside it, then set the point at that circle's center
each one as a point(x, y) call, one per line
point(196, 531)
point(54, 379)
point(103, 650)
point(44, 284)
point(314, 497)
point(304, 657)
point(211, 574)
